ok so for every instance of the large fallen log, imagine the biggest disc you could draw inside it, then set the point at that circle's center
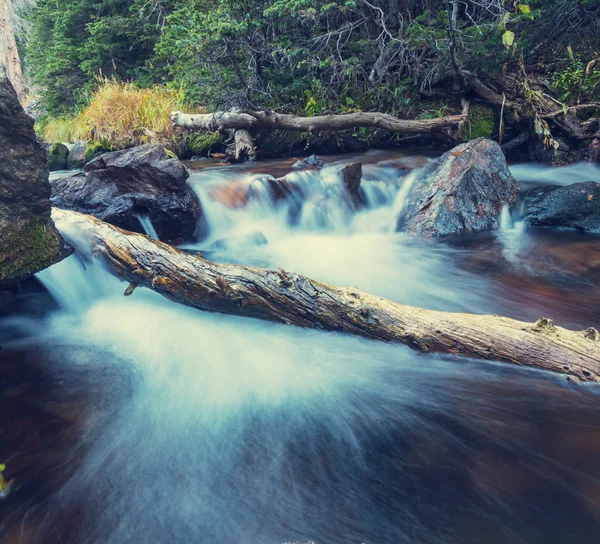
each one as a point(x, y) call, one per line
point(297, 300)
point(270, 120)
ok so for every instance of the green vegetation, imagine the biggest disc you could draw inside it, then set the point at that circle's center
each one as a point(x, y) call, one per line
point(295, 56)
point(32, 249)
point(57, 156)
point(121, 115)
point(482, 122)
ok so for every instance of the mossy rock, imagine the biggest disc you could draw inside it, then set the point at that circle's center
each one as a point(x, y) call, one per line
point(94, 149)
point(57, 157)
point(483, 121)
point(202, 143)
point(34, 247)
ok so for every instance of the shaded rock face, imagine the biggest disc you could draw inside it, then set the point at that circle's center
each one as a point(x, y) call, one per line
point(77, 156)
point(463, 191)
point(352, 176)
point(121, 186)
point(575, 206)
point(29, 241)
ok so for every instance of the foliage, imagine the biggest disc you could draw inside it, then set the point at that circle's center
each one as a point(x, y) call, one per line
point(72, 41)
point(578, 80)
point(122, 115)
point(297, 56)
point(482, 122)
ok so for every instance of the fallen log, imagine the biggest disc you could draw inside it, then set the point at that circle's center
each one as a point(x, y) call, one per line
point(293, 299)
point(238, 120)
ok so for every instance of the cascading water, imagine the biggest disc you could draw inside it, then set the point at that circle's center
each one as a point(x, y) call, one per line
point(218, 429)
point(147, 225)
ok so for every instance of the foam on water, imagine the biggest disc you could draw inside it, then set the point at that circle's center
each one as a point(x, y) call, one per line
point(540, 174)
point(237, 430)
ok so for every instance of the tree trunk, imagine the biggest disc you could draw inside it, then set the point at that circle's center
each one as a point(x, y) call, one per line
point(272, 120)
point(9, 55)
point(297, 300)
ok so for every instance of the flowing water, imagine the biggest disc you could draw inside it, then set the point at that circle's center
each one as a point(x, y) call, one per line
point(138, 420)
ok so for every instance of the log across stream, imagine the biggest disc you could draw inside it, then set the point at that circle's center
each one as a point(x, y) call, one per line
point(294, 299)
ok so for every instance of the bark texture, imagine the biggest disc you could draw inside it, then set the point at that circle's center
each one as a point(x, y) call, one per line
point(271, 120)
point(293, 299)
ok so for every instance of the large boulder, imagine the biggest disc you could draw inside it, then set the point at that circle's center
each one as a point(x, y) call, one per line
point(29, 242)
point(77, 156)
point(575, 206)
point(122, 186)
point(463, 191)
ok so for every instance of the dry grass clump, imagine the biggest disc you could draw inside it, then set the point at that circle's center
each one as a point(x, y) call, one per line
point(121, 115)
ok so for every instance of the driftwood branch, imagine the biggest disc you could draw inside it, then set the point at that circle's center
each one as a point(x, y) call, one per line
point(272, 120)
point(559, 112)
point(293, 299)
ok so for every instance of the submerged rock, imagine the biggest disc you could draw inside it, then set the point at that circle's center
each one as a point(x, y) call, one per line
point(463, 191)
point(29, 242)
point(575, 206)
point(119, 187)
point(58, 157)
point(314, 160)
point(256, 238)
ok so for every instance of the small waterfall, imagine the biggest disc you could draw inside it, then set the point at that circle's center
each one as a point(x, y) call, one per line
point(147, 226)
point(506, 222)
point(400, 205)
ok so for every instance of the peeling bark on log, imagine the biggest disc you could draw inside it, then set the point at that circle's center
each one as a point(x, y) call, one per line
point(244, 145)
point(293, 299)
point(272, 120)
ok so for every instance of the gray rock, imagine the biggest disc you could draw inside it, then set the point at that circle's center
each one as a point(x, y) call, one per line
point(463, 191)
point(57, 157)
point(77, 156)
point(575, 206)
point(314, 160)
point(118, 187)
point(29, 242)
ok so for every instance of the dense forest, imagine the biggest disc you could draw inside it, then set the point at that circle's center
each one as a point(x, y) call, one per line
point(410, 59)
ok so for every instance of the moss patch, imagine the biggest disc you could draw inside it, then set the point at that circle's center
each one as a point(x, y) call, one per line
point(93, 149)
point(482, 122)
point(57, 157)
point(202, 142)
point(33, 248)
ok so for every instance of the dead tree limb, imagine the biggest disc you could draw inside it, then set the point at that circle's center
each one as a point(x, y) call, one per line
point(272, 120)
point(293, 299)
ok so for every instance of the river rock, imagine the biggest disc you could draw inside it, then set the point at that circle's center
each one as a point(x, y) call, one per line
point(119, 187)
point(57, 157)
point(463, 191)
point(77, 156)
point(575, 206)
point(351, 176)
point(29, 242)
